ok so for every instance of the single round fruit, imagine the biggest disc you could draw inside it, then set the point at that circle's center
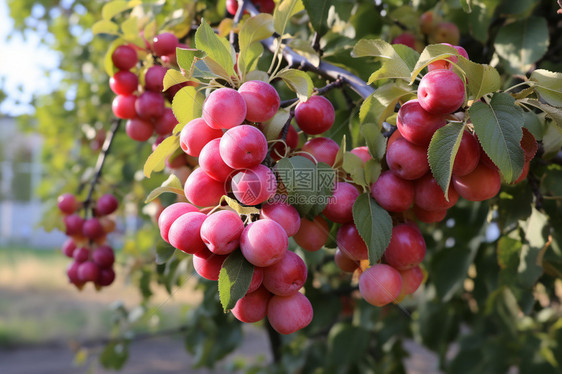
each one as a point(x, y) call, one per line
point(406, 248)
point(481, 184)
point(312, 235)
point(243, 147)
point(139, 129)
point(264, 242)
point(362, 152)
point(81, 254)
point(407, 160)
point(202, 190)
point(529, 144)
point(344, 262)
point(150, 105)
point(288, 314)
point(68, 247)
point(170, 214)
point(417, 125)
point(123, 106)
point(106, 277)
point(67, 203)
point(73, 224)
point(165, 124)
point(221, 232)
point(209, 267)
point(315, 116)
point(287, 276)
point(164, 44)
point(468, 155)
point(257, 279)
point(210, 160)
point(254, 186)
point(106, 204)
point(445, 32)
point(411, 280)
point(340, 207)
point(262, 100)
point(441, 92)
point(429, 216)
point(224, 108)
point(406, 39)
point(185, 234)
point(88, 272)
point(380, 284)
point(124, 82)
point(124, 57)
point(322, 149)
point(92, 229)
point(154, 78)
point(195, 135)
point(103, 256)
point(350, 242)
point(284, 214)
point(392, 192)
point(428, 194)
point(252, 307)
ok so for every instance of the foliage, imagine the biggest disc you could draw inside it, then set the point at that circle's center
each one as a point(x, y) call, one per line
point(494, 268)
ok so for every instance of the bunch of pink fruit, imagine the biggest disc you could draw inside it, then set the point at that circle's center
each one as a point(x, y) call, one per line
point(86, 245)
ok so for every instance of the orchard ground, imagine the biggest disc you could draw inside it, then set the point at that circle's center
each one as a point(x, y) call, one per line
point(43, 318)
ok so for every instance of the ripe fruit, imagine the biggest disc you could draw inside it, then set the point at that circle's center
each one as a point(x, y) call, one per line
point(195, 135)
point(445, 32)
point(106, 204)
point(407, 160)
point(340, 207)
point(323, 149)
point(406, 248)
point(252, 307)
point(221, 232)
point(264, 242)
point(392, 192)
point(427, 20)
point(286, 276)
point(288, 314)
point(211, 161)
point(124, 57)
point(165, 124)
point(312, 235)
point(406, 39)
point(428, 194)
point(481, 184)
point(92, 229)
point(243, 147)
point(202, 190)
point(411, 280)
point(441, 92)
point(88, 272)
point(224, 108)
point(139, 129)
point(67, 203)
point(380, 284)
point(154, 78)
point(150, 105)
point(208, 267)
point(262, 100)
point(257, 279)
point(170, 214)
point(164, 44)
point(529, 144)
point(185, 235)
point(81, 254)
point(362, 152)
point(123, 106)
point(73, 224)
point(468, 155)
point(344, 262)
point(417, 125)
point(124, 82)
point(429, 216)
point(255, 185)
point(315, 116)
point(68, 247)
point(103, 256)
point(284, 214)
point(350, 242)
point(106, 277)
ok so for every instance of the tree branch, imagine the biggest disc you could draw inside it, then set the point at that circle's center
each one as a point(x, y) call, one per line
point(324, 69)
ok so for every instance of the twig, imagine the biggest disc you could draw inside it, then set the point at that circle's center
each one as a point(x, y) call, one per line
point(320, 91)
point(237, 17)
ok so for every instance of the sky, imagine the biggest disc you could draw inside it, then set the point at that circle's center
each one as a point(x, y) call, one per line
point(23, 63)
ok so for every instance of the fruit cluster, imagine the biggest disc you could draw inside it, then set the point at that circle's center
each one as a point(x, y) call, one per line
point(144, 107)
point(409, 188)
point(93, 258)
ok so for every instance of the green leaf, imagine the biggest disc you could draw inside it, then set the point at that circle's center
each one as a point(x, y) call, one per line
point(523, 42)
point(481, 18)
point(157, 159)
point(373, 170)
point(347, 344)
point(272, 128)
point(432, 53)
point(164, 252)
point(536, 235)
point(298, 81)
point(482, 79)
point(380, 105)
point(283, 13)
point(309, 186)
point(442, 151)
point(466, 5)
point(248, 61)
point(393, 65)
point(240, 209)
point(105, 27)
point(318, 14)
point(172, 78)
point(234, 279)
point(376, 142)
point(217, 49)
point(374, 225)
point(172, 184)
point(113, 8)
point(187, 104)
point(130, 28)
point(554, 113)
point(256, 28)
point(353, 165)
point(186, 59)
point(115, 355)
point(498, 126)
point(548, 86)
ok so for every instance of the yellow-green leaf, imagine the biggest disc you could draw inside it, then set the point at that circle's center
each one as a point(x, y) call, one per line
point(283, 13)
point(105, 27)
point(548, 86)
point(172, 78)
point(157, 159)
point(187, 104)
point(430, 54)
point(240, 209)
point(298, 81)
point(217, 48)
